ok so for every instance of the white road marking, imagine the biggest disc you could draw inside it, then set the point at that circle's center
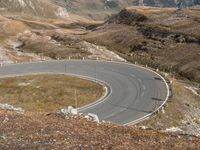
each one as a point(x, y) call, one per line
point(113, 114)
point(139, 80)
point(133, 75)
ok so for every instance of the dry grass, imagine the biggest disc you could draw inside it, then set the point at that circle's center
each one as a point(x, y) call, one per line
point(179, 111)
point(37, 131)
point(173, 113)
point(46, 93)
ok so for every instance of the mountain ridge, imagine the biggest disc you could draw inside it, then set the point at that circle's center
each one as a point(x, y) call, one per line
point(96, 10)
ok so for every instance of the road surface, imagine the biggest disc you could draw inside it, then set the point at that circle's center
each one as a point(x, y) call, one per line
point(134, 92)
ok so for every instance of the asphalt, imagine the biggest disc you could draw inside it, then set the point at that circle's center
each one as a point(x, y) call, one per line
point(134, 92)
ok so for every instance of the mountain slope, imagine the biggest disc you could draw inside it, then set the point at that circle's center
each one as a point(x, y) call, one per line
point(167, 39)
point(38, 8)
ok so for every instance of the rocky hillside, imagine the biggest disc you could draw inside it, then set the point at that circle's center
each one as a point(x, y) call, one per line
point(167, 39)
point(39, 8)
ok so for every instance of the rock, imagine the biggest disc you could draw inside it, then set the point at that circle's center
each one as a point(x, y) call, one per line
point(3, 137)
point(11, 108)
point(173, 129)
point(94, 117)
point(69, 110)
point(144, 127)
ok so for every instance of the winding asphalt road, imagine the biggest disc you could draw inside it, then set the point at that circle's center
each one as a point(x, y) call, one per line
point(134, 92)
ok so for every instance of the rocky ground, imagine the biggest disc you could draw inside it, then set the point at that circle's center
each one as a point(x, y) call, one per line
point(39, 131)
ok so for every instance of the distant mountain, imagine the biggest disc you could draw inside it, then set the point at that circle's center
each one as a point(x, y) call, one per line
point(95, 9)
point(113, 4)
point(38, 8)
point(166, 3)
point(101, 9)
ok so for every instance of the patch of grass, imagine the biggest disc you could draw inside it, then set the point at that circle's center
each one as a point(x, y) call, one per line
point(46, 93)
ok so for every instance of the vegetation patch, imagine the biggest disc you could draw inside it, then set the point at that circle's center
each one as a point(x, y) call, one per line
point(47, 93)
